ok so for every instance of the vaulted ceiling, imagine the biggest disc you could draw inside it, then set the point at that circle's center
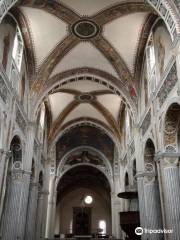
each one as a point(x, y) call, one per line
point(83, 39)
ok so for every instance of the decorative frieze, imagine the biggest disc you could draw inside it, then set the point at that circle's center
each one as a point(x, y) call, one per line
point(168, 85)
point(20, 120)
point(3, 90)
point(164, 11)
point(5, 5)
point(132, 148)
point(146, 123)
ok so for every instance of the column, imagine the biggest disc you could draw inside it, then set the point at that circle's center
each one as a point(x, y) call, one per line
point(142, 208)
point(115, 209)
point(50, 208)
point(17, 193)
point(14, 215)
point(39, 217)
point(4, 160)
point(168, 164)
point(31, 213)
point(152, 205)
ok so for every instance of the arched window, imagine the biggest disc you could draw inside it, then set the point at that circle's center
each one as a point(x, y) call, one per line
point(126, 180)
point(17, 55)
point(41, 122)
point(134, 167)
point(41, 180)
point(150, 63)
point(128, 127)
point(102, 226)
point(16, 150)
point(33, 170)
point(42, 116)
point(17, 52)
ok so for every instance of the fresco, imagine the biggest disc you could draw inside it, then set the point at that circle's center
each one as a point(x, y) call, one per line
point(87, 136)
point(7, 30)
point(162, 45)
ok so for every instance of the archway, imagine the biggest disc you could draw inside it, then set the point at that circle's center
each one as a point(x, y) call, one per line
point(78, 216)
point(171, 128)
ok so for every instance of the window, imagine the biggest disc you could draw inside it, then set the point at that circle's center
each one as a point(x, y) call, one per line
point(71, 227)
point(42, 116)
point(17, 52)
point(150, 59)
point(102, 226)
point(17, 55)
point(127, 127)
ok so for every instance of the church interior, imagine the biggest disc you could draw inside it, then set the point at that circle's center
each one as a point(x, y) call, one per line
point(89, 119)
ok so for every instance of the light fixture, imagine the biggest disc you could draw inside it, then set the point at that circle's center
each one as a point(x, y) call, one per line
point(88, 199)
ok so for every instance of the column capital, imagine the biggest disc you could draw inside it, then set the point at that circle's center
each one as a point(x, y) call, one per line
point(160, 155)
point(18, 174)
point(167, 159)
point(7, 153)
point(148, 177)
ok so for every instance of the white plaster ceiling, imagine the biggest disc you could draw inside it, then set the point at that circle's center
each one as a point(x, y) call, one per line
point(46, 31)
point(85, 86)
point(85, 110)
point(84, 55)
point(124, 34)
point(111, 102)
point(89, 7)
point(58, 102)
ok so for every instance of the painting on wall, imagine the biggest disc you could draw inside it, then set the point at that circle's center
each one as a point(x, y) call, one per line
point(162, 45)
point(7, 30)
point(85, 136)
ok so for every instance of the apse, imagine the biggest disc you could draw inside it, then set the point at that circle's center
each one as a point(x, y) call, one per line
point(83, 203)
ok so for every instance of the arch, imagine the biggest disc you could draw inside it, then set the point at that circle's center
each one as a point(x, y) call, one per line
point(109, 179)
point(91, 74)
point(5, 6)
point(165, 8)
point(86, 123)
point(28, 45)
point(149, 150)
point(103, 157)
point(171, 127)
point(170, 15)
point(149, 154)
point(16, 149)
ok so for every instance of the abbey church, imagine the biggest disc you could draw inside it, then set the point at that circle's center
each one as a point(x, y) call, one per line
point(90, 119)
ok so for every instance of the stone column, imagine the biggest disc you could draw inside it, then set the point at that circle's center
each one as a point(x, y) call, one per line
point(31, 213)
point(14, 215)
point(39, 216)
point(4, 161)
point(168, 165)
point(53, 214)
point(50, 208)
point(115, 209)
point(141, 197)
point(16, 199)
point(152, 205)
point(113, 215)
